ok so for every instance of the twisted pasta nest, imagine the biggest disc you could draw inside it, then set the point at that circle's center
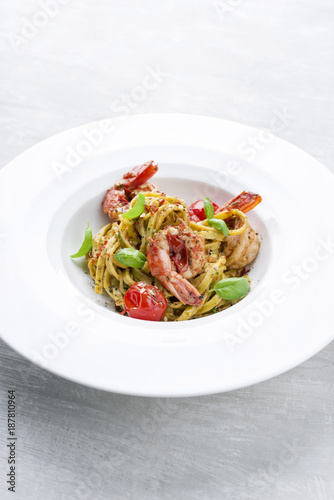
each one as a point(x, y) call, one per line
point(161, 211)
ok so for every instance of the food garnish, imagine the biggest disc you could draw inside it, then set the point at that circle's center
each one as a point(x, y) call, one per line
point(86, 245)
point(130, 257)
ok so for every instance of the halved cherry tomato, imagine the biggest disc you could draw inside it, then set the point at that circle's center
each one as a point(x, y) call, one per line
point(144, 301)
point(196, 210)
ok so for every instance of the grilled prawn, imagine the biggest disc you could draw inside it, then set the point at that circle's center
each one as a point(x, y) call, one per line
point(241, 250)
point(118, 197)
point(174, 255)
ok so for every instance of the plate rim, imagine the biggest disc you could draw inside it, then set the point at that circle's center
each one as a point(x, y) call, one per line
point(63, 134)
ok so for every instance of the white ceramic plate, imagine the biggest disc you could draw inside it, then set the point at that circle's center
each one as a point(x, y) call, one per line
point(50, 314)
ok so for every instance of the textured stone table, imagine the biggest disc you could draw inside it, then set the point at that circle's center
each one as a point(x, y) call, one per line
point(67, 62)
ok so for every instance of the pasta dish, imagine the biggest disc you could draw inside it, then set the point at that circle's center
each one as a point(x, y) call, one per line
point(159, 259)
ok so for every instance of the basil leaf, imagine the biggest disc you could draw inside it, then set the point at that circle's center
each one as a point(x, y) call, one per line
point(87, 244)
point(232, 288)
point(137, 209)
point(220, 225)
point(131, 258)
point(208, 208)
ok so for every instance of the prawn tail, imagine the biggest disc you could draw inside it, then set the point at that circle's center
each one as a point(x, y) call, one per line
point(139, 175)
point(182, 289)
point(245, 202)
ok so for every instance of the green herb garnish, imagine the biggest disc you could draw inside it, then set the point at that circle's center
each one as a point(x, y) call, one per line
point(86, 245)
point(232, 288)
point(137, 209)
point(130, 257)
point(220, 225)
point(216, 223)
point(208, 208)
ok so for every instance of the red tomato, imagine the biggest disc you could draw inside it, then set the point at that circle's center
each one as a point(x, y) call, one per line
point(196, 210)
point(144, 301)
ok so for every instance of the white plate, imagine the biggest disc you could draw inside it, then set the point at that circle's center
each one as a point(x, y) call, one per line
point(50, 314)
